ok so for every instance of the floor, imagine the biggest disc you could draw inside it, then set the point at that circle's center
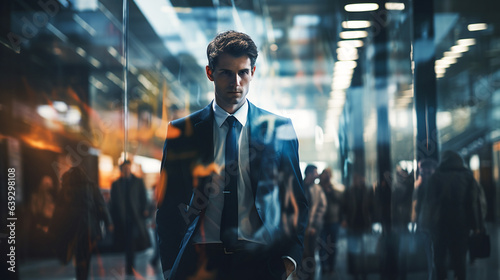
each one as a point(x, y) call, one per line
point(110, 266)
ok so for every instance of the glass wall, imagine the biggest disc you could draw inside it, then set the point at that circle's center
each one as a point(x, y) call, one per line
point(371, 89)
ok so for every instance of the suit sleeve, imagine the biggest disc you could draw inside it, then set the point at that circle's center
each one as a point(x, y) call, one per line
point(169, 220)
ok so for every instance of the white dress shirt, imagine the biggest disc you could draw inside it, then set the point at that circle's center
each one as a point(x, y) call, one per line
point(248, 219)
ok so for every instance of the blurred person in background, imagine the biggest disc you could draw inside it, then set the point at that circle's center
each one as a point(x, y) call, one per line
point(454, 211)
point(317, 206)
point(420, 211)
point(76, 225)
point(129, 209)
point(332, 219)
point(42, 203)
point(426, 168)
point(357, 211)
point(402, 192)
point(41, 209)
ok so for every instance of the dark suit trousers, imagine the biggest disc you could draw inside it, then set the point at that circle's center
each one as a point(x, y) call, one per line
point(213, 261)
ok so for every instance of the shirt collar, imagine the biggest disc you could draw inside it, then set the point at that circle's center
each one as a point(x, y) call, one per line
point(220, 115)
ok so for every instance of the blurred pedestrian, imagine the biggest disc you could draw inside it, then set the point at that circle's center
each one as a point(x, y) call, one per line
point(420, 212)
point(75, 227)
point(332, 219)
point(317, 206)
point(402, 192)
point(454, 204)
point(357, 210)
point(129, 209)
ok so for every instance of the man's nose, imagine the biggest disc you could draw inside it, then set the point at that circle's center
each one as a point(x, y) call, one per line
point(236, 80)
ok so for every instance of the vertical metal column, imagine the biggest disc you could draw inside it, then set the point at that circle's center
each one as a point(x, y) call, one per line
point(125, 77)
point(388, 267)
point(424, 79)
point(381, 74)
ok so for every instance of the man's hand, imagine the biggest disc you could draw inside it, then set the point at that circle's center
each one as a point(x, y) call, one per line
point(289, 266)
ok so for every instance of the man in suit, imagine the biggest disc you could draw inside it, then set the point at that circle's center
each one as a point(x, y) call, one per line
point(129, 210)
point(233, 204)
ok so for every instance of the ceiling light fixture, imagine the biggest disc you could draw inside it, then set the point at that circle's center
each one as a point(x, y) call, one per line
point(353, 34)
point(350, 43)
point(361, 7)
point(343, 65)
point(452, 54)
point(394, 6)
point(352, 24)
point(466, 42)
point(459, 49)
point(477, 26)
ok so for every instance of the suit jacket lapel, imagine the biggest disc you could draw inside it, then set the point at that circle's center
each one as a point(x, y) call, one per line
point(203, 131)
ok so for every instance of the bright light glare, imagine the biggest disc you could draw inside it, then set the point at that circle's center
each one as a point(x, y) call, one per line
point(449, 60)
point(459, 49)
point(440, 70)
point(356, 24)
point(343, 65)
point(395, 6)
point(466, 42)
point(477, 26)
point(452, 54)
point(46, 111)
point(442, 64)
point(347, 53)
point(344, 73)
point(60, 106)
point(361, 7)
point(353, 34)
point(350, 43)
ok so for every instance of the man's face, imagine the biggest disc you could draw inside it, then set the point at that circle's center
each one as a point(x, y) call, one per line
point(231, 78)
point(312, 176)
point(126, 170)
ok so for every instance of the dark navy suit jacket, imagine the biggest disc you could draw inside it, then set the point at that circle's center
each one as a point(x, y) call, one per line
point(276, 181)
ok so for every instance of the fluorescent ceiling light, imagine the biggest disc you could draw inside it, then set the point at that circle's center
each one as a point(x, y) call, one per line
point(347, 51)
point(353, 34)
point(442, 64)
point(343, 65)
point(94, 62)
point(347, 56)
point(395, 6)
point(459, 49)
point(449, 60)
point(350, 43)
point(466, 42)
point(361, 7)
point(477, 26)
point(356, 24)
point(440, 70)
point(452, 54)
point(343, 73)
point(81, 51)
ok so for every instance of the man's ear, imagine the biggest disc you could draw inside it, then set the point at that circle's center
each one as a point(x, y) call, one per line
point(209, 73)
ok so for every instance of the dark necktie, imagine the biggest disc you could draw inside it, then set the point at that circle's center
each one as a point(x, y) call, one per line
point(229, 219)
